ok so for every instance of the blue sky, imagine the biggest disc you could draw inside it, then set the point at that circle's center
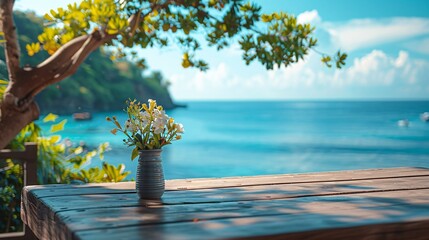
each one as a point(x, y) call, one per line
point(387, 42)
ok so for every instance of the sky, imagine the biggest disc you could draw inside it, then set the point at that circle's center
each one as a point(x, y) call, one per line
point(387, 42)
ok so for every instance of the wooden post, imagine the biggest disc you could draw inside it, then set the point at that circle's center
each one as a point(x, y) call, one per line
point(30, 164)
point(28, 159)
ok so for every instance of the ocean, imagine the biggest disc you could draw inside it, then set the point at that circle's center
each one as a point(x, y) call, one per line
point(257, 138)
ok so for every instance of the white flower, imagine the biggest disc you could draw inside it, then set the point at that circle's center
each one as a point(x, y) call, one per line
point(160, 114)
point(158, 125)
point(145, 117)
point(130, 126)
point(179, 128)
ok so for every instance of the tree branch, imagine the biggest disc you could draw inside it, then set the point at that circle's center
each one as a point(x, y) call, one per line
point(68, 59)
point(57, 67)
point(7, 26)
point(62, 64)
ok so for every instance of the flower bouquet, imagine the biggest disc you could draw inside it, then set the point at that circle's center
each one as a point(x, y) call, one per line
point(148, 129)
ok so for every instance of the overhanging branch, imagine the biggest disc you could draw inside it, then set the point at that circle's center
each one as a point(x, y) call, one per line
point(68, 59)
point(62, 64)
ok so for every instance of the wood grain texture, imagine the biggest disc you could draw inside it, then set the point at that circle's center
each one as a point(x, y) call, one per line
point(366, 204)
point(202, 183)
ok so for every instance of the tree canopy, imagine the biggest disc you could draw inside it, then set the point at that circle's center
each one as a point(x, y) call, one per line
point(98, 85)
point(273, 39)
point(72, 33)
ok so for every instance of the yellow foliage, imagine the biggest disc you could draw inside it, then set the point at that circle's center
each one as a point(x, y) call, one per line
point(55, 139)
point(185, 61)
point(85, 5)
point(53, 13)
point(78, 150)
point(32, 48)
point(48, 17)
point(67, 37)
point(76, 16)
point(72, 7)
point(50, 118)
point(51, 47)
point(116, 24)
point(59, 126)
point(146, 28)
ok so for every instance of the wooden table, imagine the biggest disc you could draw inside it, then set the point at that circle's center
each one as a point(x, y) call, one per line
point(371, 204)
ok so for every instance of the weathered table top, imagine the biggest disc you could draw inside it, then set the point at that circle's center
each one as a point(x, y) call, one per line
point(371, 204)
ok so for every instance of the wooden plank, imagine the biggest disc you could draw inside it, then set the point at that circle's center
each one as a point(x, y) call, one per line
point(357, 209)
point(267, 228)
point(191, 184)
point(281, 191)
point(26, 154)
point(45, 210)
point(373, 214)
point(354, 208)
point(49, 209)
point(298, 178)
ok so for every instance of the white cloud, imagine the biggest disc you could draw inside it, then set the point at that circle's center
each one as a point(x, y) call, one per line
point(386, 75)
point(363, 33)
point(421, 45)
point(234, 50)
point(217, 82)
point(373, 69)
point(402, 59)
point(309, 17)
point(377, 74)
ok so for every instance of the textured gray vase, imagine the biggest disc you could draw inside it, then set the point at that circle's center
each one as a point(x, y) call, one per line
point(150, 175)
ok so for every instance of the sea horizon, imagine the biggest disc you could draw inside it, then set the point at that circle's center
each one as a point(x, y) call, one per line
point(182, 103)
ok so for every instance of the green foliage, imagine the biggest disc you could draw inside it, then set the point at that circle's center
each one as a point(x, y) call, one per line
point(339, 60)
point(58, 162)
point(99, 84)
point(147, 127)
point(11, 183)
point(272, 39)
point(114, 174)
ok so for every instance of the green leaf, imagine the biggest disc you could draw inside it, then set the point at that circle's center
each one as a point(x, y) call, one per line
point(134, 153)
point(59, 126)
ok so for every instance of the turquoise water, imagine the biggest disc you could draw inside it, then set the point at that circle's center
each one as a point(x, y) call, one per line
point(256, 138)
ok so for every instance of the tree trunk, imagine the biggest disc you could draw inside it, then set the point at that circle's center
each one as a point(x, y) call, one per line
point(12, 121)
